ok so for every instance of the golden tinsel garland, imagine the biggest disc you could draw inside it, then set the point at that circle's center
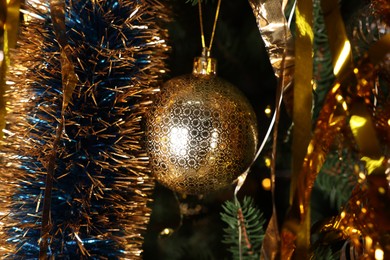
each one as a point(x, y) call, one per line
point(101, 183)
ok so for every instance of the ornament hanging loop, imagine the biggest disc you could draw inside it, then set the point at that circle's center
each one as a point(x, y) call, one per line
point(208, 49)
point(205, 66)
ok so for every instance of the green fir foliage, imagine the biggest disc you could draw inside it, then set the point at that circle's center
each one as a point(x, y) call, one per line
point(195, 2)
point(334, 184)
point(324, 253)
point(322, 69)
point(251, 222)
point(337, 177)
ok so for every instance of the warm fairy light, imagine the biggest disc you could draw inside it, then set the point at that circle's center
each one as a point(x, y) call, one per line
point(356, 70)
point(362, 176)
point(267, 161)
point(364, 210)
point(368, 242)
point(266, 183)
point(310, 148)
point(342, 58)
point(388, 122)
point(342, 214)
point(268, 111)
point(345, 107)
point(364, 82)
point(354, 231)
point(336, 87)
point(387, 172)
point(351, 231)
point(379, 254)
point(381, 190)
point(166, 231)
point(341, 100)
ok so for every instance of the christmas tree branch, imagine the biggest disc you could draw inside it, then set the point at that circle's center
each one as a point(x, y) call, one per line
point(245, 230)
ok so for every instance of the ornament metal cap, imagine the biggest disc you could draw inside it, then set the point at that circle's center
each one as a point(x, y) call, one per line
point(204, 66)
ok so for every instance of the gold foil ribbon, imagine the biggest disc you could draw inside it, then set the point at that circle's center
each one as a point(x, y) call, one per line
point(331, 120)
point(9, 24)
point(296, 229)
point(277, 38)
point(302, 119)
point(69, 82)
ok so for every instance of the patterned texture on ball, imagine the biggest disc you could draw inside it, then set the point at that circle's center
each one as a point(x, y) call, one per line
point(201, 133)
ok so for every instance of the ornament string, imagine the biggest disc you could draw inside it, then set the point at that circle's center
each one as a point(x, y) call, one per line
point(208, 49)
point(281, 57)
point(241, 179)
point(280, 73)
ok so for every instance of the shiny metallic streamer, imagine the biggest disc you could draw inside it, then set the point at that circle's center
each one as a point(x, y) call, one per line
point(9, 25)
point(365, 216)
point(302, 114)
point(297, 226)
point(101, 183)
point(350, 88)
point(277, 38)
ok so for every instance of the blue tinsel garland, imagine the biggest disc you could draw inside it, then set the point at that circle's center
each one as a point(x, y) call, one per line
point(101, 187)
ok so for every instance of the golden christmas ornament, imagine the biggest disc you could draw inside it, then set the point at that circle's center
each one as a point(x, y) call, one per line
point(201, 131)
